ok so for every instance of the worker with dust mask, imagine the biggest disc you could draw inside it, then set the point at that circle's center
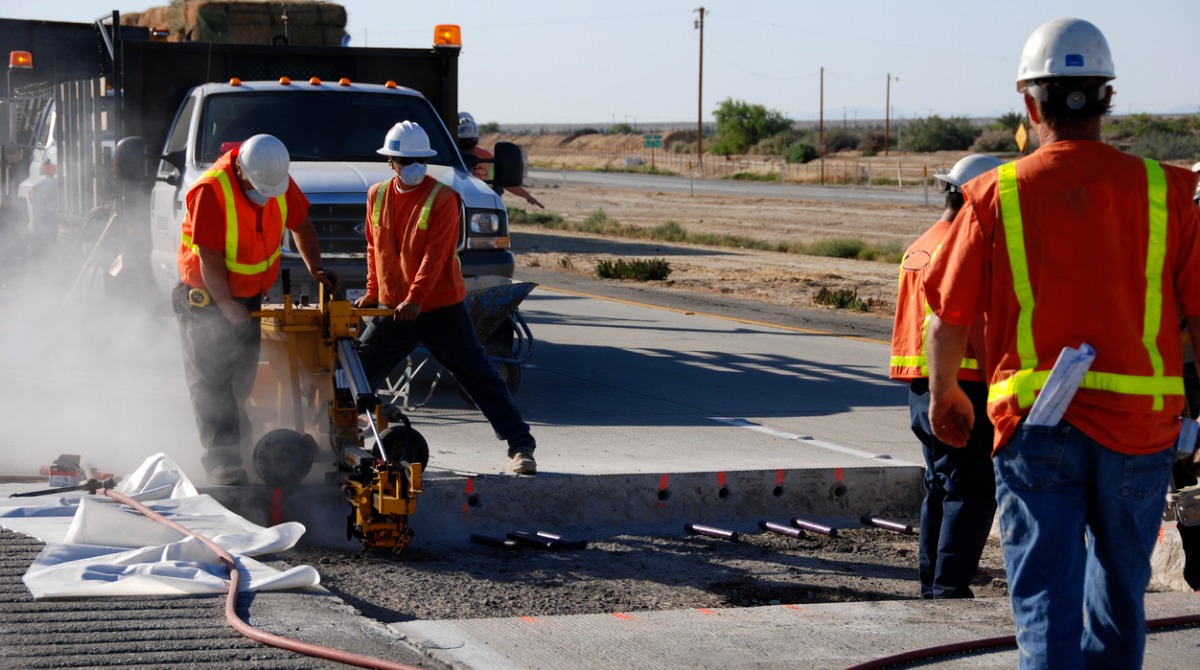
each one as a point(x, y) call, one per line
point(1074, 249)
point(412, 229)
point(228, 258)
point(960, 491)
point(479, 159)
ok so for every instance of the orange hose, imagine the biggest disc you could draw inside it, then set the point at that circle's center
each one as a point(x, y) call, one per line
point(231, 603)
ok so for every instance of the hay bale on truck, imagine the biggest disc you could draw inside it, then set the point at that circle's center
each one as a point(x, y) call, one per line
point(308, 22)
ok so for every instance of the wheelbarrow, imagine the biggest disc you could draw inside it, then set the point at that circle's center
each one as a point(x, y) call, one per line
point(492, 301)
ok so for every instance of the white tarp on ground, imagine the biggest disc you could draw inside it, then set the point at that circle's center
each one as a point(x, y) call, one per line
point(97, 547)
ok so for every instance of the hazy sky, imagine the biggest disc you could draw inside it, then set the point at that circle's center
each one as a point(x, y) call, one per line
point(556, 61)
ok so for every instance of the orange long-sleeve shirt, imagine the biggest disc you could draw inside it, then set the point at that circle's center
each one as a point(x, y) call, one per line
point(411, 257)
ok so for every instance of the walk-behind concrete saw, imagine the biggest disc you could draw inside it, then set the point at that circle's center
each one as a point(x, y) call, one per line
point(312, 383)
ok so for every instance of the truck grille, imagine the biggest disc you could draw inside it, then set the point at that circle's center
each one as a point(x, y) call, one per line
point(339, 228)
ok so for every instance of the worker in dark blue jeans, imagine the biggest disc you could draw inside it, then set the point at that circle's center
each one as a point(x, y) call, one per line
point(412, 231)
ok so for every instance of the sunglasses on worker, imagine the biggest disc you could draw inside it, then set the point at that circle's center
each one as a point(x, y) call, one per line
point(405, 160)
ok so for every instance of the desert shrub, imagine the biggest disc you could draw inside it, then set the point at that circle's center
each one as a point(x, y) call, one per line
point(752, 176)
point(489, 128)
point(838, 139)
point(1165, 146)
point(938, 134)
point(654, 269)
point(621, 129)
point(842, 298)
point(801, 152)
point(599, 222)
point(546, 219)
point(775, 145)
point(669, 231)
point(995, 141)
point(848, 247)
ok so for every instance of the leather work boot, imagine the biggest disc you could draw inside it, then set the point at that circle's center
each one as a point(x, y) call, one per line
point(228, 475)
point(522, 463)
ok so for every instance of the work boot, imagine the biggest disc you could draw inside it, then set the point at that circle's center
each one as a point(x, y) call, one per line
point(522, 463)
point(227, 475)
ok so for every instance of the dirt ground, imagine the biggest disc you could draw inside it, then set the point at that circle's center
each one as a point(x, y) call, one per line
point(775, 277)
point(633, 572)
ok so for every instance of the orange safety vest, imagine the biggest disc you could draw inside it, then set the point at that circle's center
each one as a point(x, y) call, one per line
point(908, 361)
point(251, 252)
point(1141, 374)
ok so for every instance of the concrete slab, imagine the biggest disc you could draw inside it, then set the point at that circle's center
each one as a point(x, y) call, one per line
point(815, 637)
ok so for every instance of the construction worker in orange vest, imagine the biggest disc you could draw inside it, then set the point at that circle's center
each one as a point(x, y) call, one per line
point(479, 159)
point(960, 492)
point(1075, 250)
point(228, 258)
point(412, 227)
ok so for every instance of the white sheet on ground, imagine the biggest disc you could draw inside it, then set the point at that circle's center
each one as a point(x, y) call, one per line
point(97, 547)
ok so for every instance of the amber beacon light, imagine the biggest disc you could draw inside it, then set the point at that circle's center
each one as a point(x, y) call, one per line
point(447, 35)
point(22, 60)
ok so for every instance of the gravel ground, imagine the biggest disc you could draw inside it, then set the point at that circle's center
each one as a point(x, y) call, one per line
point(629, 573)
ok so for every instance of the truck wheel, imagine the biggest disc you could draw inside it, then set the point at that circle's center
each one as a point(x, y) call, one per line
point(283, 457)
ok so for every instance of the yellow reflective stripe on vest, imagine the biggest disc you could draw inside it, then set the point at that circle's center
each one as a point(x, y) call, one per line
point(423, 222)
point(1156, 251)
point(923, 363)
point(1026, 382)
point(377, 205)
point(231, 229)
point(1014, 236)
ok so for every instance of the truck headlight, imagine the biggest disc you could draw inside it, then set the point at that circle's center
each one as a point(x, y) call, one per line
point(485, 223)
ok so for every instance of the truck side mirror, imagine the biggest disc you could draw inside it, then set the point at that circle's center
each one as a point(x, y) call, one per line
point(129, 159)
point(510, 165)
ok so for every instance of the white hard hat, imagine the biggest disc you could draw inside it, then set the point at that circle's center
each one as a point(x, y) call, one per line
point(1065, 48)
point(467, 128)
point(406, 139)
point(264, 161)
point(967, 169)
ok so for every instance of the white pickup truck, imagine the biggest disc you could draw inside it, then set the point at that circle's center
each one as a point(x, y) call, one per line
point(332, 131)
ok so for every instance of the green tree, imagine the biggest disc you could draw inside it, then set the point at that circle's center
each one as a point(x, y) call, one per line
point(937, 134)
point(1010, 121)
point(741, 125)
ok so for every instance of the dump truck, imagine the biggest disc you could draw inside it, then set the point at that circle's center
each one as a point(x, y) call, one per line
point(121, 138)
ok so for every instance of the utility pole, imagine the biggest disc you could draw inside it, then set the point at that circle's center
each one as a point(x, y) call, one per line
point(887, 116)
point(700, 99)
point(821, 131)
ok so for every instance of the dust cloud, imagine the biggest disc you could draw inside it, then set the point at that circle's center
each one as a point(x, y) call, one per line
point(89, 365)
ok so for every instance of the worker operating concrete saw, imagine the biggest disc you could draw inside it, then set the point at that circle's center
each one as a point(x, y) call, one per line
point(314, 384)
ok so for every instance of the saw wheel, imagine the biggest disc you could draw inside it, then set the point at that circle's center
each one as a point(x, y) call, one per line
point(284, 457)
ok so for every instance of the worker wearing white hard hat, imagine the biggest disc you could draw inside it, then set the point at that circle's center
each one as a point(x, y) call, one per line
point(480, 160)
point(412, 228)
point(1083, 252)
point(960, 490)
point(228, 258)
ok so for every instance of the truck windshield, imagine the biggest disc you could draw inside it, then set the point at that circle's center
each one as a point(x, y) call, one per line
point(319, 125)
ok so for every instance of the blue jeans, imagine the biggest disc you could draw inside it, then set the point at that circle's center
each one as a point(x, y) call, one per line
point(960, 497)
point(450, 337)
point(1078, 522)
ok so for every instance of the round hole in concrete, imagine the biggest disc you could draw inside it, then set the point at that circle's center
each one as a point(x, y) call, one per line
point(777, 492)
point(723, 492)
point(663, 494)
point(473, 501)
point(838, 490)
